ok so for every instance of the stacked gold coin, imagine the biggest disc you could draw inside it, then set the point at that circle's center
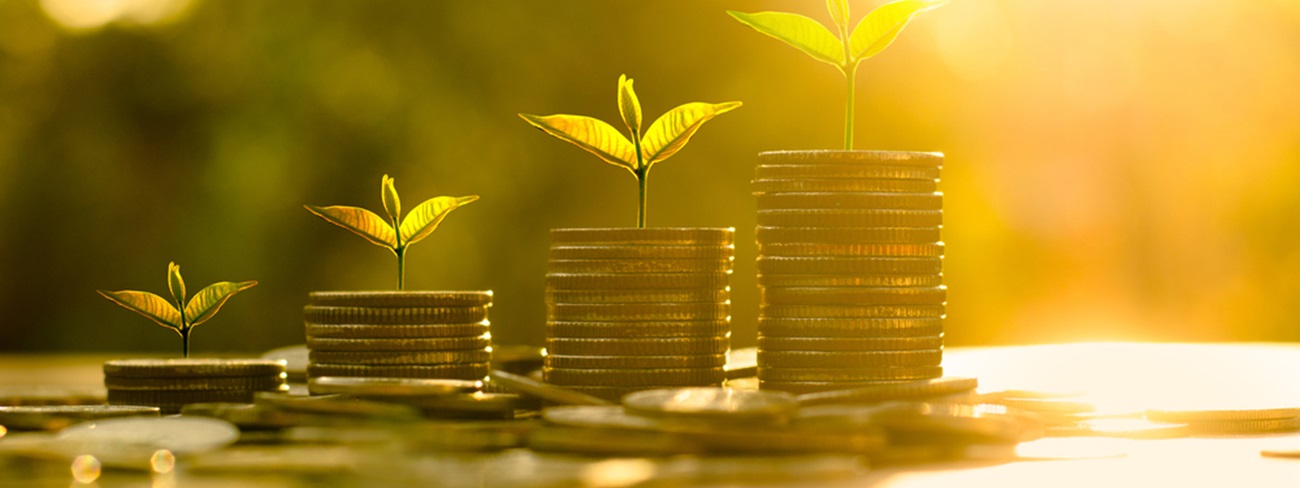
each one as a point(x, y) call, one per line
point(434, 334)
point(170, 383)
point(850, 268)
point(637, 309)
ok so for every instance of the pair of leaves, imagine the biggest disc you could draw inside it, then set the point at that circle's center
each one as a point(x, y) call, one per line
point(665, 137)
point(418, 224)
point(872, 35)
point(177, 314)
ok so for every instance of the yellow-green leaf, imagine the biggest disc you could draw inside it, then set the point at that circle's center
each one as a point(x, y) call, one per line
point(175, 283)
point(360, 221)
point(803, 33)
point(593, 135)
point(392, 204)
point(879, 28)
point(629, 106)
point(839, 13)
point(674, 129)
point(154, 307)
point(426, 216)
point(208, 301)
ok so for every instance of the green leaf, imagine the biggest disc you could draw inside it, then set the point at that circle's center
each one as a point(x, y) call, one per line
point(360, 221)
point(426, 216)
point(392, 204)
point(674, 129)
point(154, 307)
point(839, 13)
point(803, 33)
point(175, 283)
point(629, 106)
point(208, 301)
point(593, 135)
point(879, 28)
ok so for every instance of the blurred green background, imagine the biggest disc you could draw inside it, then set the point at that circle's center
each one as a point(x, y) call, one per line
point(1115, 169)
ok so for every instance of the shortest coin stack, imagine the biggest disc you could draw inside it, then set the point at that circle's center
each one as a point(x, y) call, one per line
point(170, 383)
point(435, 334)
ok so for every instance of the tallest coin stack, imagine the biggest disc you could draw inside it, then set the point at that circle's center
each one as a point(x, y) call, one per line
point(850, 267)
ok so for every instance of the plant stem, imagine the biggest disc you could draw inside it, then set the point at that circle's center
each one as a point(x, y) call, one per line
point(850, 75)
point(641, 177)
point(401, 268)
point(185, 343)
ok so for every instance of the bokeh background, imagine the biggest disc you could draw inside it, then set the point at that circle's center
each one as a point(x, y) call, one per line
point(1116, 169)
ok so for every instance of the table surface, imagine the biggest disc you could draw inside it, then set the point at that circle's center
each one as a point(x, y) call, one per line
point(1117, 377)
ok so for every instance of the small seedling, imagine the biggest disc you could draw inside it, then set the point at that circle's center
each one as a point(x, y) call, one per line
point(873, 34)
point(396, 234)
point(667, 135)
point(178, 315)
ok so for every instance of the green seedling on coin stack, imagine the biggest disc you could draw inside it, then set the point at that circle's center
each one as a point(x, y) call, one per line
point(874, 33)
point(177, 314)
point(639, 152)
point(395, 234)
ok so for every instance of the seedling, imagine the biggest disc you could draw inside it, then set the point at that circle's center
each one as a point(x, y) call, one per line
point(396, 234)
point(178, 315)
point(873, 34)
point(667, 135)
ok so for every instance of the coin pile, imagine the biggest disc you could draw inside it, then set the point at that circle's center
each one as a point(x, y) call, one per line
point(849, 268)
point(170, 383)
point(636, 309)
point(435, 334)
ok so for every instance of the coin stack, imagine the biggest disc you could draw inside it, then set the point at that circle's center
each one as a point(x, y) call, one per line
point(636, 309)
point(171, 383)
point(849, 268)
point(435, 334)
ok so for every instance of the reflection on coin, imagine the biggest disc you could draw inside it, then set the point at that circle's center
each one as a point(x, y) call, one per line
point(637, 347)
point(262, 383)
point(400, 358)
point(389, 387)
point(717, 404)
point(767, 235)
point(638, 311)
point(55, 417)
point(928, 422)
point(638, 265)
point(1224, 415)
point(848, 376)
point(781, 185)
point(861, 158)
point(850, 218)
point(178, 368)
point(852, 360)
point(393, 316)
point(400, 298)
point(1048, 406)
point(635, 377)
point(180, 435)
point(854, 295)
point(295, 360)
point(829, 171)
point(645, 235)
point(848, 265)
point(637, 329)
point(477, 404)
point(549, 393)
point(891, 392)
point(518, 359)
point(854, 200)
point(354, 331)
point(860, 279)
point(246, 416)
point(849, 311)
point(804, 249)
point(742, 363)
point(393, 344)
point(638, 296)
point(636, 362)
point(612, 281)
point(1122, 428)
point(454, 371)
point(634, 251)
point(849, 343)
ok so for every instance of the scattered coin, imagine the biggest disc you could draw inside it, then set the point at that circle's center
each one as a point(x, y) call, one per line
point(832, 344)
point(389, 387)
point(130, 437)
point(638, 265)
point(854, 295)
point(340, 405)
point(637, 347)
point(781, 185)
point(413, 299)
point(767, 235)
point(432, 371)
point(636, 362)
point(1122, 428)
point(892, 392)
point(934, 249)
point(928, 422)
point(375, 358)
point(636, 377)
point(1281, 453)
point(1047, 405)
point(549, 393)
point(850, 200)
point(353, 331)
point(245, 415)
point(645, 235)
point(399, 344)
point(393, 315)
point(612, 281)
point(51, 395)
point(56, 417)
point(637, 329)
point(715, 404)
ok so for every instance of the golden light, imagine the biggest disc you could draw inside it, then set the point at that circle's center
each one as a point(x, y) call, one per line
point(617, 473)
point(87, 15)
point(86, 469)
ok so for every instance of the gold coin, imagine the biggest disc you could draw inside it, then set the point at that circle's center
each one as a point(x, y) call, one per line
point(849, 328)
point(850, 218)
point(394, 316)
point(176, 398)
point(863, 279)
point(638, 311)
point(1180, 416)
point(849, 343)
point(1121, 428)
point(635, 362)
point(389, 387)
point(846, 377)
point(637, 347)
point(14, 396)
point(769, 265)
point(462, 371)
point(611, 394)
point(419, 331)
point(473, 405)
point(339, 405)
point(843, 185)
point(716, 404)
point(189, 368)
point(766, 235)
point(884, 393)
point(639, 265)
point(410, 299)
point(1226, 427)
point(261, 383)
point(847, 200)
point(1281, 453)
point(638, 329)
point(609, 442)
point(820, 156)
point(421, 358)
point(806, 387)
point(638, 296)
point(646, 235)
point(893, 295)
point(833, 171)
point(936, 422)
point(846, 311)
point(805, 249)
point(853, 361)
point(550, 393)
point(635, 377)
point(742, 363)
point(633, 251)
point(404, 345)
point(56, 417)
point(629, 281)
